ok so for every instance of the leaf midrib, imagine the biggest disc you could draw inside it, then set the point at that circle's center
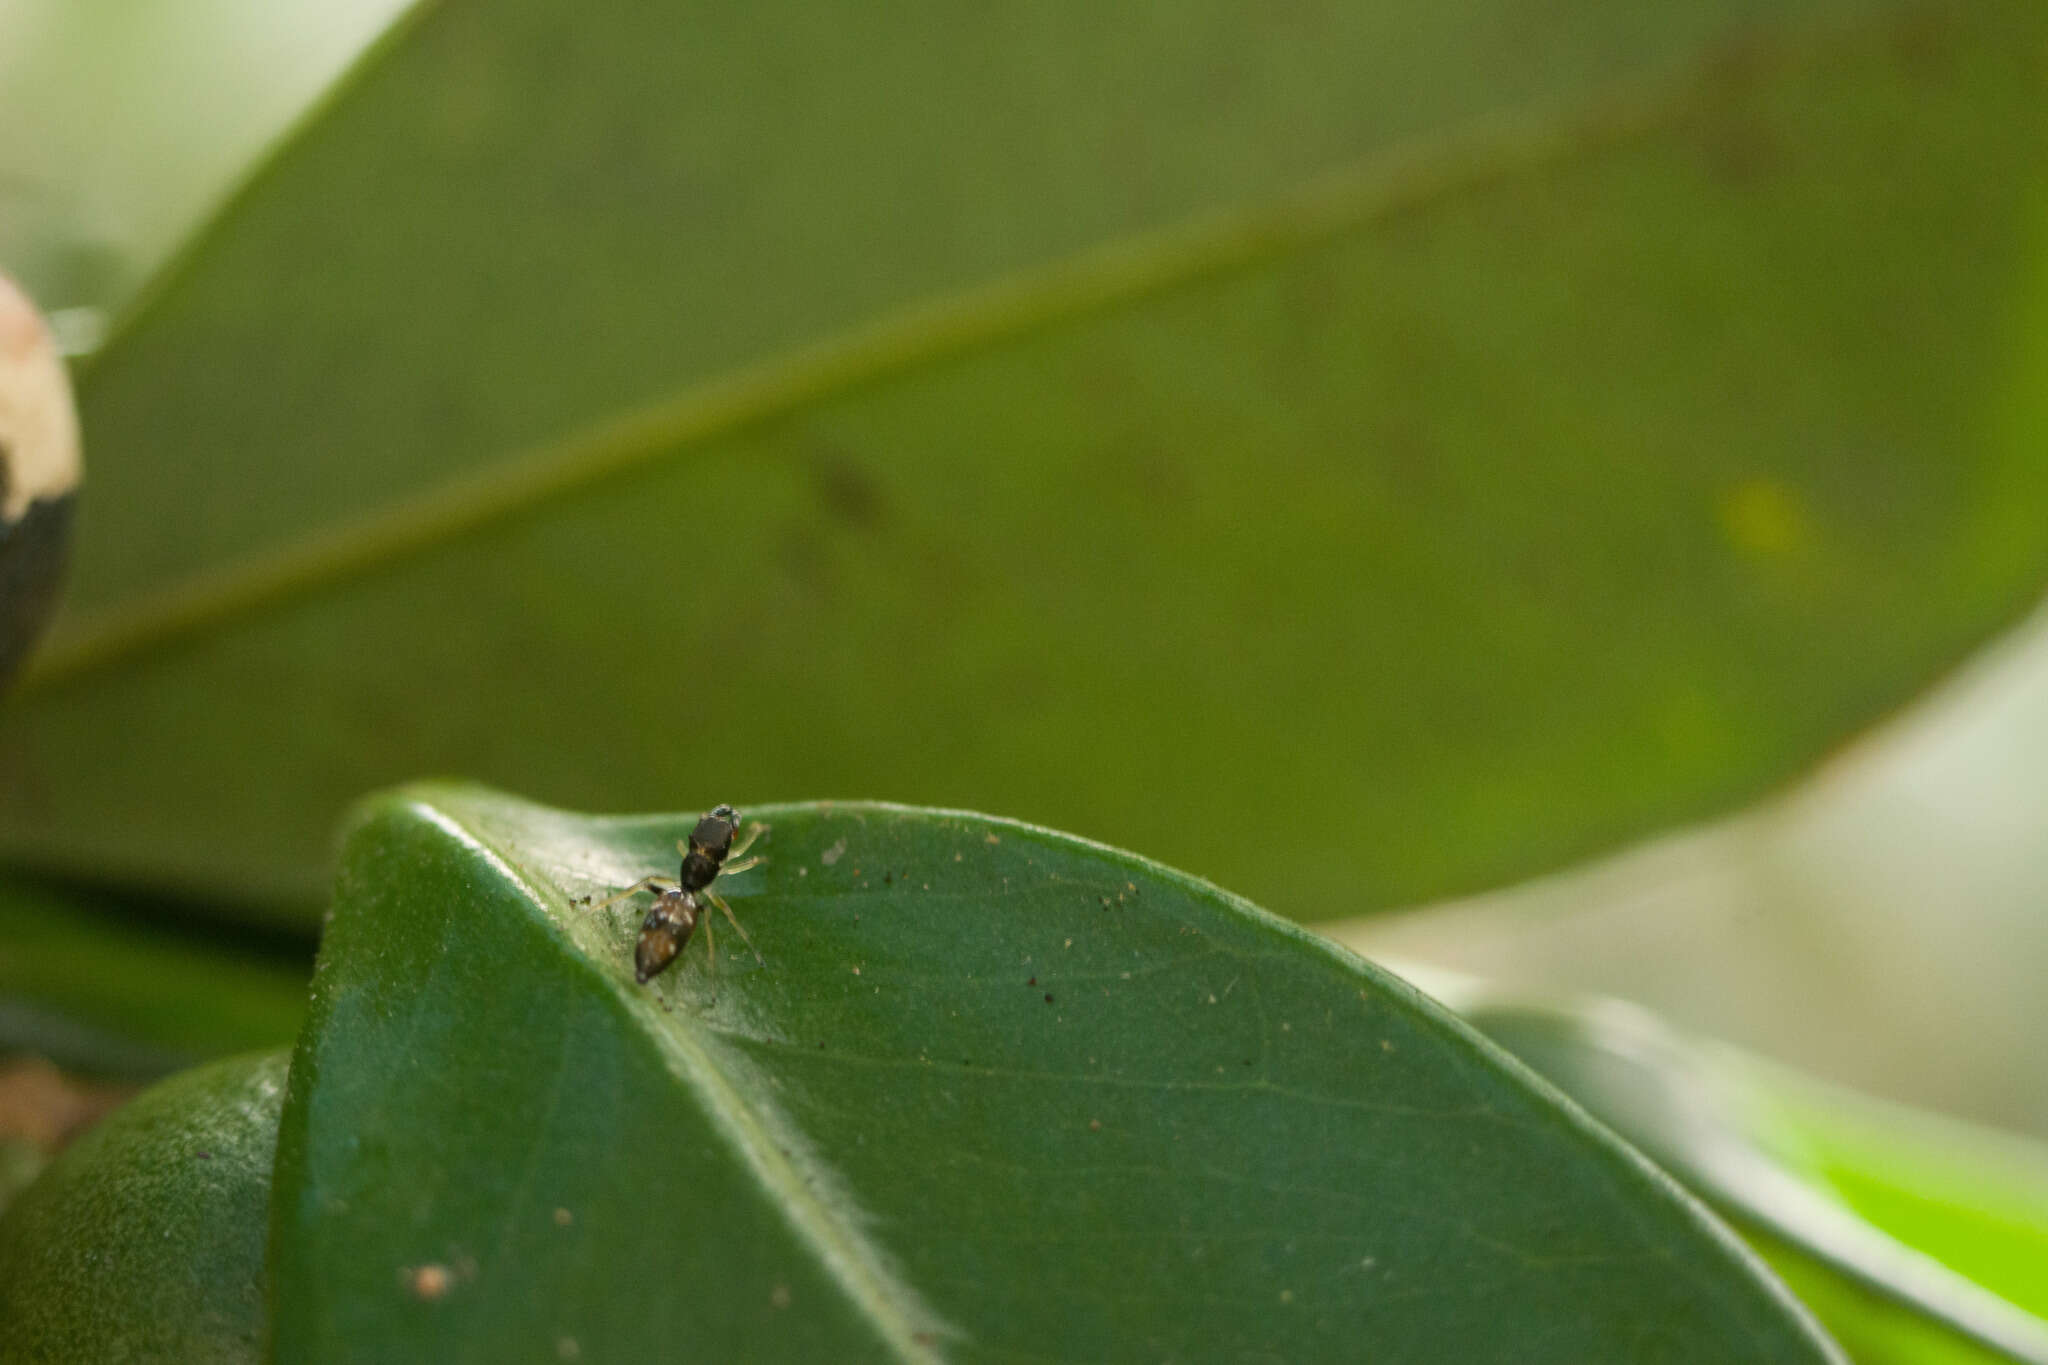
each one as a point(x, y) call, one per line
point(893, 1308)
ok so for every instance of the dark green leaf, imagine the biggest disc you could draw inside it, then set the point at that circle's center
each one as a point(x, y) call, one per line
point(101, 984)
point(996, 1093)
point(1511, 429)
point(144, 1241)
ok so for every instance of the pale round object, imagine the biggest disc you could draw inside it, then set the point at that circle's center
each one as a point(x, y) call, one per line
point(38, 424)
point(39, 470)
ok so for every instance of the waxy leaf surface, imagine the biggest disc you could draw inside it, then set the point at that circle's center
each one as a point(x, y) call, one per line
point(996, 1093)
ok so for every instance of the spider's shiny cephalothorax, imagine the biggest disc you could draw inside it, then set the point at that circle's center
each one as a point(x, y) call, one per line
point(709, 845)
point(679, 905)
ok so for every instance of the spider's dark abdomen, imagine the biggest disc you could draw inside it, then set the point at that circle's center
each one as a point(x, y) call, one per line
point(664, 933)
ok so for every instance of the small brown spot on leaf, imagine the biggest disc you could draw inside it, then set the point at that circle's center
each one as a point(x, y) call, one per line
point(847, 491)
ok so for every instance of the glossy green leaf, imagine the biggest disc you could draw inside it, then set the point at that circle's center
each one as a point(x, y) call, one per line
point(98, 983)
point(993, 1093)
point(1914, 1239)
point(1512, 428)
point(144, 1241)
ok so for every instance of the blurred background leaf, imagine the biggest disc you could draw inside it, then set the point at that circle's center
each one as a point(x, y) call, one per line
point(1880, 923)
point(125, 125)
point(1510, 431)
point(1915, 1238)
point(118, 986)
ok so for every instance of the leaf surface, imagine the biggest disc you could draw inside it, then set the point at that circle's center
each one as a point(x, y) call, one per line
point(996, 1093)
point(1511, 429)
point(144, 1240)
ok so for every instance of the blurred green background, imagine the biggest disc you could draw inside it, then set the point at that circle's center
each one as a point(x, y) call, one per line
point(1370, 454)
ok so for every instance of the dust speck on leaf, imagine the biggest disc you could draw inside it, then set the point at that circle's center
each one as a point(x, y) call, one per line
point(428, 1282)
point(993, 839)
point(566, 1348)
point(833, 854)
point(778, 1297)
point(563, 1218)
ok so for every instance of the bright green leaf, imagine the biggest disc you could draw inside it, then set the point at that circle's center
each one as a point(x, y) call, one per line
point(1973, 1198)
point(1914, 1239)
point(995, 1093)
point(144, 1241)
point(1512, 428)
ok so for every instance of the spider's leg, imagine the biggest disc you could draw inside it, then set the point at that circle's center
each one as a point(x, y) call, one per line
point(734, 869)
point(734, 920)
point(754, 831)
point(644, 884)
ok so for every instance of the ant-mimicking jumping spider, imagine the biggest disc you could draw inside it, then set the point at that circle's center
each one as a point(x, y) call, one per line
point(679, 907)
